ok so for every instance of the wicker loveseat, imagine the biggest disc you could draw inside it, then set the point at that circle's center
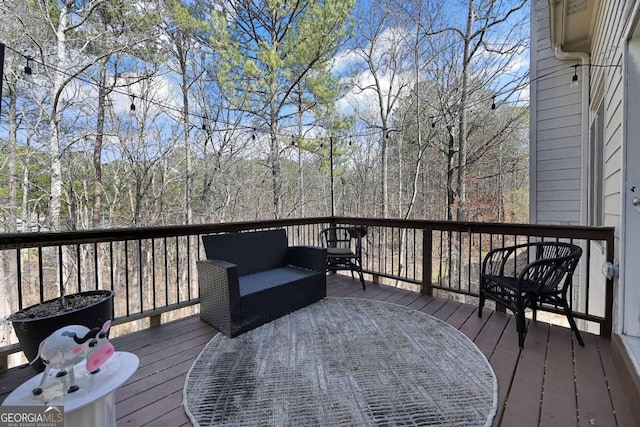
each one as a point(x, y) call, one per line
point(252, 278)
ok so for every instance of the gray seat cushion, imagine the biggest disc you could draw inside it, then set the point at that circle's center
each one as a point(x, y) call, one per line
point(339, 251)
point(262, 280)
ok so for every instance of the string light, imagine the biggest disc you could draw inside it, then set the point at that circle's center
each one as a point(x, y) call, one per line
point(574, 79)
point(132, 107)
point(28, 72)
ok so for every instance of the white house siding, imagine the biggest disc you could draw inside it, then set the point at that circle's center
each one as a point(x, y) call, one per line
point(608, 49)
point(614, 84)
point(559, 150)
point(556, 133)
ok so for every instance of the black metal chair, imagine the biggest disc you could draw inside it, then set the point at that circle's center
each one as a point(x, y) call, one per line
point(344, 249)
point(524, 276)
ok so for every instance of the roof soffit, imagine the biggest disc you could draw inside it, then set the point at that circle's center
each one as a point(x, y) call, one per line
point(572, 23)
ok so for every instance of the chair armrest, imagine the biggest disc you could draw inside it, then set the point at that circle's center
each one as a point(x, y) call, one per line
point(218, 280)
point(547, 274)
point(309, 257)
point(219, 294)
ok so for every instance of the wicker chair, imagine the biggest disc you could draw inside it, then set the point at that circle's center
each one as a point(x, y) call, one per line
point(344, 249)
point(253, 278)
point(510, 277)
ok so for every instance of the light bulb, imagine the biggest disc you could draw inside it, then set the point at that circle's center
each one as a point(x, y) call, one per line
point(574, 81)
point(28, 72)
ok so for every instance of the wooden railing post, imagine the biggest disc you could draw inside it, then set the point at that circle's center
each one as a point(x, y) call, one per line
point(4, 356)
point(607, 325)
point(427, 262)
point(155, 320)
point(4, 363)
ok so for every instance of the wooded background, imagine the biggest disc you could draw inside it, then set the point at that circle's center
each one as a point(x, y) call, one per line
point(177, 112)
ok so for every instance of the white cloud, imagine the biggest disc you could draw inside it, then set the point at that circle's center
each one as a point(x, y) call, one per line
point(157, 91)
point(392, 72)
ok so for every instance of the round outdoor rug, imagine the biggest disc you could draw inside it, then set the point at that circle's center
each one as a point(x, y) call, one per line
point(349, 362)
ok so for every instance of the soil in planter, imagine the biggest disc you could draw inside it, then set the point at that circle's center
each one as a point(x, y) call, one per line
point(54, 307)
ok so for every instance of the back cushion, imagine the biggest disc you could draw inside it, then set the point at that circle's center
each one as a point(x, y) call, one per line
point(251, 251)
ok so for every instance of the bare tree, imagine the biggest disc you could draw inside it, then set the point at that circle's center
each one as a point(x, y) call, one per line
point(115, 20)
point(384, 73)
point(489, 41)
point(66, 47)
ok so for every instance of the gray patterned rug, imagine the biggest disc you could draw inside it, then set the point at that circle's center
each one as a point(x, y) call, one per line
point(343, 362)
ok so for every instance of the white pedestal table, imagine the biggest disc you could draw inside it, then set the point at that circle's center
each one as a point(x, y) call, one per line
point(93, 404)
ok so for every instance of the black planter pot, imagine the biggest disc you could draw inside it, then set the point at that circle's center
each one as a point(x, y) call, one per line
point(32, 331)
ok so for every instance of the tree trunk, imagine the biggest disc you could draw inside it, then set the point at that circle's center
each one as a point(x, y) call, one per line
point(182, 58)
point(96, 221)
point(462, 126)
point(451, 194)
point(26, 215)
point(385, 172)
point(276, 176)
point(416, 77)
point(301, 192)
point(12, 218)
point(55, 203)
point(274, 163)
point(8, 266)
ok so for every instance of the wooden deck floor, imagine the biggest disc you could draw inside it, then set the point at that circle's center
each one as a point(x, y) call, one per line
point(551, 382)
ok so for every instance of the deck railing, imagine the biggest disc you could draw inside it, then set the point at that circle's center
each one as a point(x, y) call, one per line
point(152, 270)
point(447, 256)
